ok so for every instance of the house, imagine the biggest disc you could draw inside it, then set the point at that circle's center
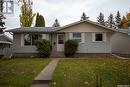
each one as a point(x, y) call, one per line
point(92, 37)
point(5, 43)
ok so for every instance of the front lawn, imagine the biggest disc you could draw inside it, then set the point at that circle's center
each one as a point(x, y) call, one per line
point(20, 72)
point(84, 72)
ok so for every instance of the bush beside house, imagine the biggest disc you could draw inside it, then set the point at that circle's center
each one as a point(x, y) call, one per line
point(70, 47)
point(43, 47)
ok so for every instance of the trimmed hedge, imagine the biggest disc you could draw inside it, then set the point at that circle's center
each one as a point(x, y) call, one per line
point(43, 47)
point(70, 47)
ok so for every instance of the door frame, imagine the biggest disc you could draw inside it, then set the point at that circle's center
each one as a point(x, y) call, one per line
point(60, 47)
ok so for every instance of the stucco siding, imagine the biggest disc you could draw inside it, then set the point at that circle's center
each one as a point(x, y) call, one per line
point(94, 47)
point(120, 43)
point(26, 49)
point(17, 40)
point(18, 45)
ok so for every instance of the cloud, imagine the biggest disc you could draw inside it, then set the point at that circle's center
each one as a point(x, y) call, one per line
point(68, 11)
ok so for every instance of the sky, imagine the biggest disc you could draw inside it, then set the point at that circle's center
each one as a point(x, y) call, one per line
point(69, 11)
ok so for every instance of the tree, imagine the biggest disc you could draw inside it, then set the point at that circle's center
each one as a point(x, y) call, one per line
point(26, 16)
point(128, 19)
point(100, 19)
point(125, 22)
point(40, 22)
point(118, 19)
point(84, 17)
point(56, 23)
point(2, 23)
point(110, 22)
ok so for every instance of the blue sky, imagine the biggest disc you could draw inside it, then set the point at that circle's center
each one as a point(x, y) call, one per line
point(68, 11)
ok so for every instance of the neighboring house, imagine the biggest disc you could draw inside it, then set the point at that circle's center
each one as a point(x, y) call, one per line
point(5, 43)
point(92, 37)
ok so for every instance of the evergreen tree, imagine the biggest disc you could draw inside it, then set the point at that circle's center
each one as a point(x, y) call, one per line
point(110, 22)
point(84, 17)
point(56, 23)
point(118, 19)
point(100, 19)
point(40, 22)
point(2, 23)
point(26, 16)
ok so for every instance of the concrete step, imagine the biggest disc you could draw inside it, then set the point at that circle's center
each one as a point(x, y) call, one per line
point(57, 55)
point(40, 85)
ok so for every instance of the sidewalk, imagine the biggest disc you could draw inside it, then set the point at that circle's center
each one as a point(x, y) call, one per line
point(43, 79)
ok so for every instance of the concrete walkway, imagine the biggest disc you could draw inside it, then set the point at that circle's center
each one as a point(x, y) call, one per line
point(120, 57)
point(45, 76)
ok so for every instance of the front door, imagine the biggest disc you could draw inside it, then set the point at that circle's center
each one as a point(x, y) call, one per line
point(60, 42)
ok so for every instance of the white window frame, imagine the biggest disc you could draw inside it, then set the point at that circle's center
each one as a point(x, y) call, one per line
point(94, 37)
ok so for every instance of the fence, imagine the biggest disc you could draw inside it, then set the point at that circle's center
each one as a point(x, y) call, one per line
point(7, 52)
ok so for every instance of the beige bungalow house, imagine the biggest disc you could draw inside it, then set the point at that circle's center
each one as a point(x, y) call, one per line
point(93, 38)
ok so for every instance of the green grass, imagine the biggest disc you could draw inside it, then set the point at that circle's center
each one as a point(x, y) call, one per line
point(83, 72)
point(20, 72)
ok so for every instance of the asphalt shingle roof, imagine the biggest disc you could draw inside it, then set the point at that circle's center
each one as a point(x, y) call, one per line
point(32, 30)
point(54, 29)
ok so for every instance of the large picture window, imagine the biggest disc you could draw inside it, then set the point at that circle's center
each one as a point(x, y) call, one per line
point(77, 36)
point(29, 39)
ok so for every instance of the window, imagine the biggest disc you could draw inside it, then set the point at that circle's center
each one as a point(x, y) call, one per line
point(60, 39)
point(77, 36)
point(98, 37)
point(29, 39)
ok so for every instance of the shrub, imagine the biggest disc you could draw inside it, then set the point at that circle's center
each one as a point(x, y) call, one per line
point(43, 47)
point(70, 47)
point(1, 56)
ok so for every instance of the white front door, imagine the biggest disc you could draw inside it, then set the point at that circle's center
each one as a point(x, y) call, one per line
point(60, 42)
